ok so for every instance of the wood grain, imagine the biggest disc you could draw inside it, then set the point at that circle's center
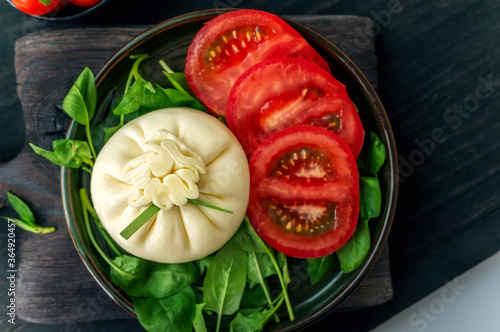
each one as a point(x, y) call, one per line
point(54, 286)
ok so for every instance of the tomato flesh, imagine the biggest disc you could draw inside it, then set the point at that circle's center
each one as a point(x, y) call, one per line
point(282, 92)
point(35, 7)
point(304, 191)
point(231, 43)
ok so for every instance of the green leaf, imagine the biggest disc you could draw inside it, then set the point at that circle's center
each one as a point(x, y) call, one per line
point(204, 263)
point(142, 278)
point(199, 321)
point(253, 298)
point(156, 99)
point(72, 152)
point(225, 282)
point(29, 227)
point(370, 198)
point(253, 320)
point(260, 267)
point(373, 154)
point(45, 2)
point(318, 267)
point(183, 99)
point(169, 314)
point(80, 102)
point(131, 101)
point(246, 239)
point(22, 209)
point(138, 222)
point(64, 151)
point(53, 157)
point(352, 254)
point(110, 132)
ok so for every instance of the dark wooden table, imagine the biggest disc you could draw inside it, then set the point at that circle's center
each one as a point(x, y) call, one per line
point(439, 79)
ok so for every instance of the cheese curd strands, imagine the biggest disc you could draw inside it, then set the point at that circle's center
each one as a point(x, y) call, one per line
point(165, 175)
point(165, 158)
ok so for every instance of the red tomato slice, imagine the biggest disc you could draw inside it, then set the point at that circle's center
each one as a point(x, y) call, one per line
point(35, 7)
point(282, 92)
point(304, 192)
point(231, 43)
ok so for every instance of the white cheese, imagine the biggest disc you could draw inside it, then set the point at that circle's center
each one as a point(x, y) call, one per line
point(165, 158)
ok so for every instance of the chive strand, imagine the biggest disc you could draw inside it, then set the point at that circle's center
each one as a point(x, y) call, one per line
point(208, 205)
point(138, 222)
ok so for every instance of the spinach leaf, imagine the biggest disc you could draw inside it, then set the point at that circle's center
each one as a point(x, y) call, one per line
point(27, 221)
point(253, 320)
point(254, 298)
point(370, 198)
point(182, 98)
point(81, 100)
point(168, 314)
point(260, 267)
point(198, 320)
point(204, 263)
point(225, 282)
point(110, 131)
point(67, 153)
point(373, 154)
point(318, 267)
point(156, 99)
point(246, 239)
point(353, 253)
point(22, 209)
point(69, 150)
point(131, 101)
point(142, 278)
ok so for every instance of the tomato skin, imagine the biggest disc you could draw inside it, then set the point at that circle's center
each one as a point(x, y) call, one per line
point(275, 199)
point(34, 7)
point(282, 92)
point(85, 3)
point(232, 42)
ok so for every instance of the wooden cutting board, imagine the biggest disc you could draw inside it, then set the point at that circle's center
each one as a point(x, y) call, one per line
point(53, 285)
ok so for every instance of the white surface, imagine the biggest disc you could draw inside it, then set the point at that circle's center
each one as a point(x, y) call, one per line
point(468, 303)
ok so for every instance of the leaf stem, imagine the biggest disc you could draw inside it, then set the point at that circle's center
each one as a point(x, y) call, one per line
point(167, 73)
point(278, 271)
point(89, 139)
point(134, 74)
point(89, 230)
point(264, 286)
point(88, 205)
point(165, 67)
point(30, 228)
point(208, 205)
point(88, 161)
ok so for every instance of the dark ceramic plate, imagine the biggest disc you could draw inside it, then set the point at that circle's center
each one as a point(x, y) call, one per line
point(169, 41)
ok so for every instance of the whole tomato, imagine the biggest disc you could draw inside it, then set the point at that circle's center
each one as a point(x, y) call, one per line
point(85, 3)
point(35, 7)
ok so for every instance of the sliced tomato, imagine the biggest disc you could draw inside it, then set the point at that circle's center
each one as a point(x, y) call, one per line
point(35, 7)
point(282, 92)
point(231, 43)
point(304, 192)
